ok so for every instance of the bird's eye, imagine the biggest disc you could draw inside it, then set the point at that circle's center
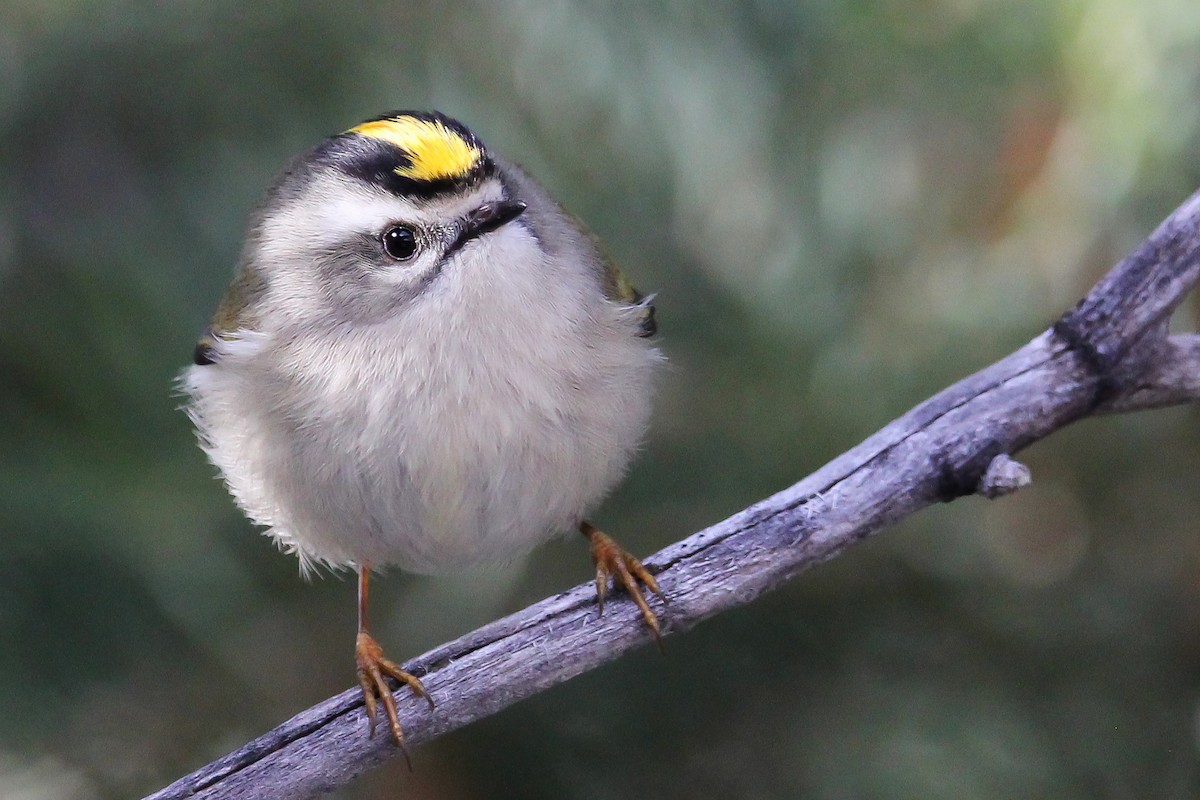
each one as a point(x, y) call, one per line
point(399, 242)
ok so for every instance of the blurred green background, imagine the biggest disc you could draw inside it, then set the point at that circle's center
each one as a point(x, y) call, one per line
point(843, 206)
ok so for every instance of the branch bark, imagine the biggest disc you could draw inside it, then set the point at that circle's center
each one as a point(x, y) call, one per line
point(1110, 354)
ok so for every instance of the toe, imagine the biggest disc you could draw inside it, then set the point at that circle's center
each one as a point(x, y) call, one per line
point(643, 575)
point(373, 671)
point(612, 561)
point(635, 591)
point(368, 690)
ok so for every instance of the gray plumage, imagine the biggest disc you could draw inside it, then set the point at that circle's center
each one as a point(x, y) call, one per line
point(430, 414)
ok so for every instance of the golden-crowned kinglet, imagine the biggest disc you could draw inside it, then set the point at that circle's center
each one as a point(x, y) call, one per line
point(422, 361)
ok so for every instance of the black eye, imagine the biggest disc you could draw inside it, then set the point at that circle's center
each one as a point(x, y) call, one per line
point(400, 242)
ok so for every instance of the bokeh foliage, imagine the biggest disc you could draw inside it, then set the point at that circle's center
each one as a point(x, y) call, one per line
point(842, 205)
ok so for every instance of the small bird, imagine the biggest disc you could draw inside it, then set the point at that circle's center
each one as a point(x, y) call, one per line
point(423, 361)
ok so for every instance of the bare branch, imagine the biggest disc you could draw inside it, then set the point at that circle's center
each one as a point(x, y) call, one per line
point(1004, 476)
point(1109, 354)
point(1170, 379)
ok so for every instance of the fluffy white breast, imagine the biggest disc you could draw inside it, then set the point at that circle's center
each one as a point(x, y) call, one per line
point(480, 419)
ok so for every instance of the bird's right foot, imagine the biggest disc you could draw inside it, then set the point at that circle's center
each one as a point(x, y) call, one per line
point(373, 670)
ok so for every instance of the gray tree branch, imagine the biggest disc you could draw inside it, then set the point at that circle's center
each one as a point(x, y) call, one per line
point(1109, 354)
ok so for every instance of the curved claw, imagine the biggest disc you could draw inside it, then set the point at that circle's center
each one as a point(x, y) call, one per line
point(615, 563)
point(373, 670)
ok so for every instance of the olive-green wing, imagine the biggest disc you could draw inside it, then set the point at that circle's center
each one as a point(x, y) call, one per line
point(234, 313)
point(617, 287)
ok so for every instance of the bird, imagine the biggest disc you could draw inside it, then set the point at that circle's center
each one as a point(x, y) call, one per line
point(423, 362)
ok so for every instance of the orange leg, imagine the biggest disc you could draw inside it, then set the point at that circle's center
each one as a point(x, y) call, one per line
point(374, 668)
point(613, 561)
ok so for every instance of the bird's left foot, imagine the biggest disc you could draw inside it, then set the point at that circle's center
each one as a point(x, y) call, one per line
point(613, 561)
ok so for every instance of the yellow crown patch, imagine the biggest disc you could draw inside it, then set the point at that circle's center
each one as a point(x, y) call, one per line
point(435, 152)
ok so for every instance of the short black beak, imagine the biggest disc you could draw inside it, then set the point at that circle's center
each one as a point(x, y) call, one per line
point(485, 219)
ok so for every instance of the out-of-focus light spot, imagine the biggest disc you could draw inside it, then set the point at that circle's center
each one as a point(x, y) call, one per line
point(41, 778)
point(931, 23)
point(1036, 537)
point(871, 179)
